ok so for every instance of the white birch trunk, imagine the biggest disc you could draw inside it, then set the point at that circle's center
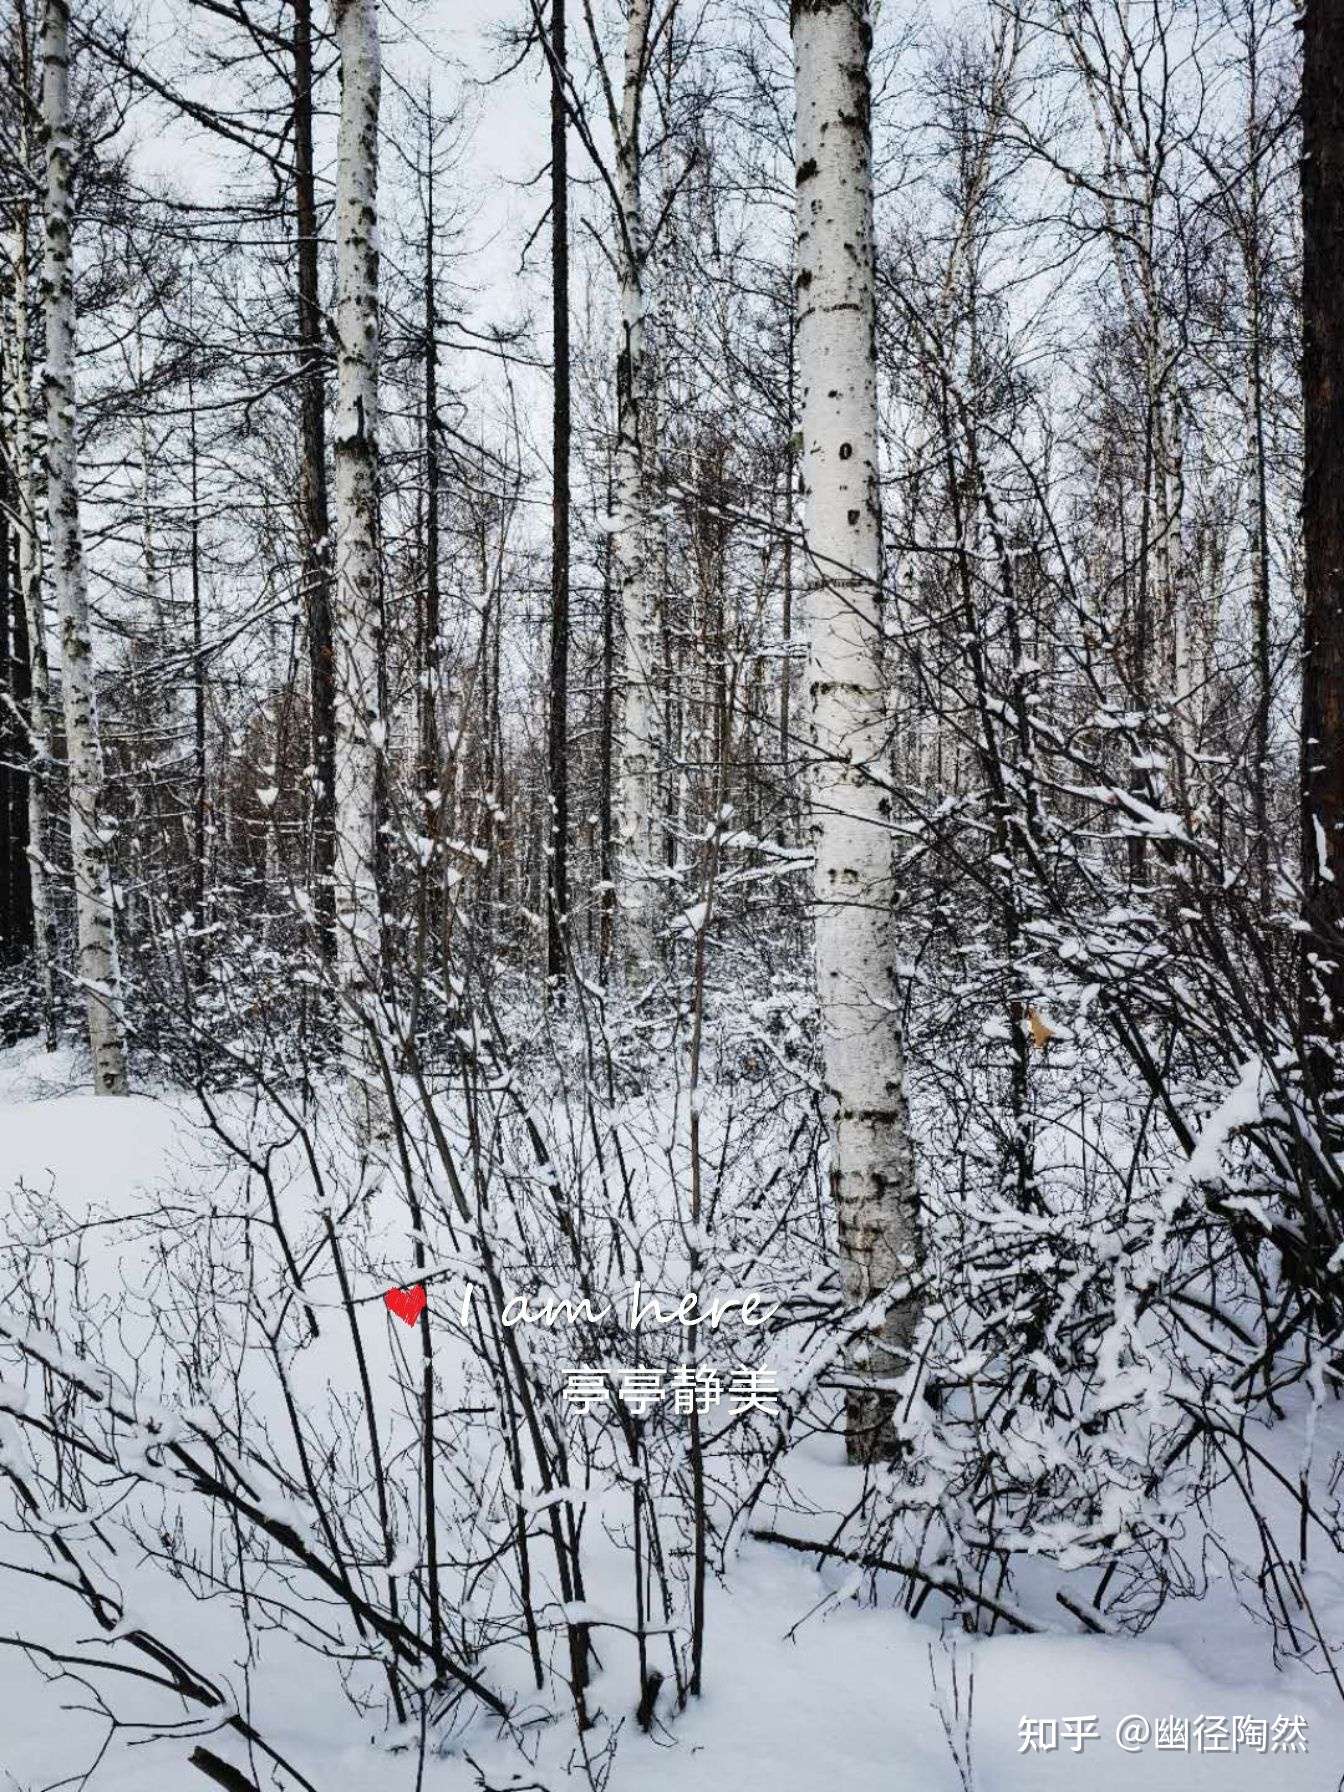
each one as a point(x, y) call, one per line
point(1185, 676)
point(872, 1166)
point(90, 829)
point(360, 729)
point(34, 611)
point(638, 735)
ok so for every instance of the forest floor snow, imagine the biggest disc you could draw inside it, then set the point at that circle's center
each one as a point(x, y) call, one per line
point(842, 1699)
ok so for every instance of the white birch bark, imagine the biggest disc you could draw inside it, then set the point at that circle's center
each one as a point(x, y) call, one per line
point(34, 611)
point(360, 728)
point(1186, 680)
point(90, 827)
point(638, 735)
point(872, 1165)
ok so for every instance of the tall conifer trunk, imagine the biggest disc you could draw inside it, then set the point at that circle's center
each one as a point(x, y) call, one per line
point(557, 733)
point(431, 771)
point(313, 486)
point(1323, 535)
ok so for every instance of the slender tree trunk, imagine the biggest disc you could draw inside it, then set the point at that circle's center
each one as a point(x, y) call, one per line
point(30, 577)
point(606, 869)
point(431, 773)
point(637, 782)
point(1260, 595)
point(872, 1168)
point(557, 734)
point(140, 750)
point(788, 816)
point(430, 769)
point(95, 913)
point(313, 488)
point(200, 794)
point(1322, 783)
point(15, 907)
point(24, 926)
point(1185, 672)
point(360, 728)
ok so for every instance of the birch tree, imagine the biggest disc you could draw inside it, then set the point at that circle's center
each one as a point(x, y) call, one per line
point(29, 569)
point(90, 828)
point(360, 729)
point(639, 712)
point(871, 1168)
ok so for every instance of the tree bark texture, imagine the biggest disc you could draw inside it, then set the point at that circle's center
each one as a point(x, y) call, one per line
point(360, 728)
point(637, 780)
point(313, 486)
point(30, 605)
point(872, 1169)
point(90, 825)
point(557, 739)
point(1323, 532)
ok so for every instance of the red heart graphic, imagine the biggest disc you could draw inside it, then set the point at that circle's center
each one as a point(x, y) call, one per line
point(407, 1303)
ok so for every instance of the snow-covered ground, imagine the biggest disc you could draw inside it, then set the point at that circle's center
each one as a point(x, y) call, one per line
point(804, 1693)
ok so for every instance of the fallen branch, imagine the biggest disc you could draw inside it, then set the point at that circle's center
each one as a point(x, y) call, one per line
point(950, 1584)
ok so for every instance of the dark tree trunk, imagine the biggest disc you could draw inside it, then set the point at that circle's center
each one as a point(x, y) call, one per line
point(1322, 783)
point(8, 744)
point(313, 487)
point(22, 918)
point(1260, 599)
point(200, 794)
point(16, 902)
point(1254, 257)
point(430, 769)
point(557, 743)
